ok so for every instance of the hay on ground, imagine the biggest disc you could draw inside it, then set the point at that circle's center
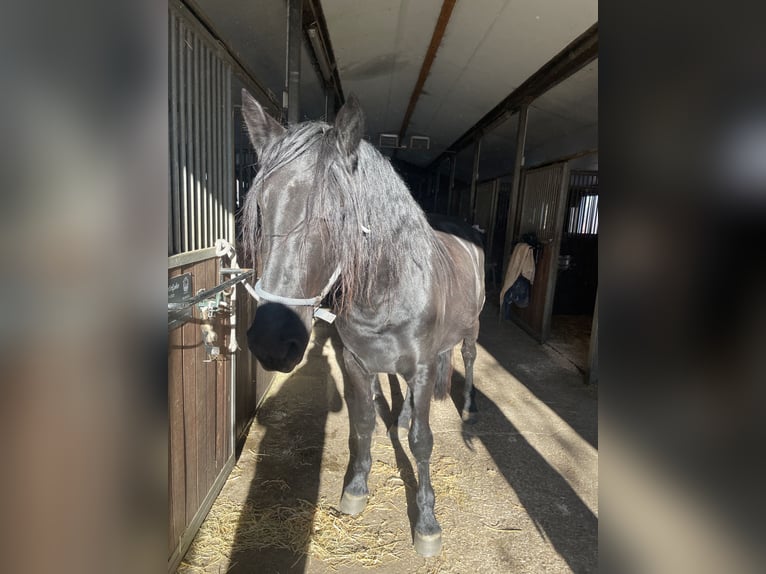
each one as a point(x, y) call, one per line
point(319, 530)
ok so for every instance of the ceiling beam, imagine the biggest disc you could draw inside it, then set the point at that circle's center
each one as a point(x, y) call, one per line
point(425, 69)
point(313, 15)
point(577, 54)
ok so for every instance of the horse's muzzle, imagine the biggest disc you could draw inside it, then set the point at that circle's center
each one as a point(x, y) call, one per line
point(278, 336)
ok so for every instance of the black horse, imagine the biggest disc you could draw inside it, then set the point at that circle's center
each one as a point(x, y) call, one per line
point(328, 212)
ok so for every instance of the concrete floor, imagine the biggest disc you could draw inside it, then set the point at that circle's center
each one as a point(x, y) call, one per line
point(570, 336)
point(516, 492)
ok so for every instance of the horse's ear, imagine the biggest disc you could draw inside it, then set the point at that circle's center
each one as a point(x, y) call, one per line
point(349, 123)
point(260, 126)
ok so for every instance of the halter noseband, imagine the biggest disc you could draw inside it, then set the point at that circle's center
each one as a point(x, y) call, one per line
point(259, 294)
point(262, 295)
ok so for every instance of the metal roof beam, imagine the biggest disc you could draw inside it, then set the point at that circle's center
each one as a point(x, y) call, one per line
point(428, 60)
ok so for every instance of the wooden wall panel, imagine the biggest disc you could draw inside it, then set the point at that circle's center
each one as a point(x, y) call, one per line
point(263, 380)
point(200, 450)
point(252, 380)
point(210, 391)
point(190, 339)
point(176, 455)
point(221, 412)
point(244, 403)
point(200, 408)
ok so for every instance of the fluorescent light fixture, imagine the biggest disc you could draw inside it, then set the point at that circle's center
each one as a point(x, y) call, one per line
point(321, 56)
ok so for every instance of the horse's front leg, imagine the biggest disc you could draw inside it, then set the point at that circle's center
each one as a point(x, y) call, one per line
point(361, 418)
point(428, 537)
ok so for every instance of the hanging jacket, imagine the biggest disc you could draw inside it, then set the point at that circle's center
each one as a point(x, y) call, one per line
point(522, 264)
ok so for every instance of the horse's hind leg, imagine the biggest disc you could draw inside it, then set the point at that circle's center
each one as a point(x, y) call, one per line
point(361, 420)
point(468, 351)
point(428, 537)
point(403, 422)
point(377, 392)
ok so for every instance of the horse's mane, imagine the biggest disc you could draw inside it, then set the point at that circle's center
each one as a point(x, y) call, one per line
point(352, 195)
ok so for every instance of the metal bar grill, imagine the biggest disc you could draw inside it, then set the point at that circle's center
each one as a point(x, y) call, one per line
point(188, 48)
point(197, 145)
point(175, 199)
point(209, 145)
point(214, 144)
point(583, 204)
point(205, 148)
point(217, 140)
point(229, 143)
point(200, 206)
point(181, 140)
point(222, 148)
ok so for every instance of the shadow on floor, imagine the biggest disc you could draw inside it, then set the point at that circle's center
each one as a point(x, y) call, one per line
point(293, 444)
point(556, 510)
point(560, 389)
point(389, 416)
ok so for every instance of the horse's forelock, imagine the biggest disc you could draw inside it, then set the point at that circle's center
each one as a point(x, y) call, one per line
point(297, 141)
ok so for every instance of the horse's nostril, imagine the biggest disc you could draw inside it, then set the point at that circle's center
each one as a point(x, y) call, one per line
point(292, 348)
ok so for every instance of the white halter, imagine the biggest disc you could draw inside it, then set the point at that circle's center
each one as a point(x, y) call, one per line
point(263, 295)
point(260, 294)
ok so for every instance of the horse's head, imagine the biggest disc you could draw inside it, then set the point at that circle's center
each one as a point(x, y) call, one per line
point(297, 265)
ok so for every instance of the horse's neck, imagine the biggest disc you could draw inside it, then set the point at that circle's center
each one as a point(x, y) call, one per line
point(397, 282)
point(410, 244)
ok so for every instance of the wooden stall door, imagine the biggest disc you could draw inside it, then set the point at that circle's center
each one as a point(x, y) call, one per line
point(201, 209)
point(543, 206)
point(201, 453)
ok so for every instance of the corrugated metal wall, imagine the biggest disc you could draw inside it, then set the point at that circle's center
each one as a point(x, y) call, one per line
point(485, 213)
point(542, 189)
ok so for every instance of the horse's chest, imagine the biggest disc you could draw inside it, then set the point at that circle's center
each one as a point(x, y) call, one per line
point(386, 349)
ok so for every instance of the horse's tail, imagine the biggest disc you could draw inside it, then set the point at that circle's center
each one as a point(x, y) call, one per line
point(443, 374)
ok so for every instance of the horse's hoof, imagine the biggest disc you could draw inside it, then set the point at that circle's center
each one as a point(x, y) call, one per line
point(352, 504)
point(428, 544)
point(469, 417)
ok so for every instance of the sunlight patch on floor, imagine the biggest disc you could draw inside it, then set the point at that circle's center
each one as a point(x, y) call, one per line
point(550, 435)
